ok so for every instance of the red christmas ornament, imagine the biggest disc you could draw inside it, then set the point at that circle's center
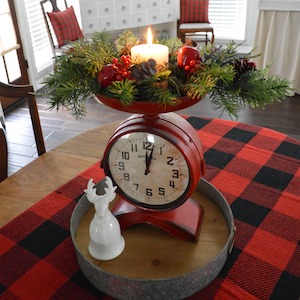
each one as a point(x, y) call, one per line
point(107, 75)
point(188, 58)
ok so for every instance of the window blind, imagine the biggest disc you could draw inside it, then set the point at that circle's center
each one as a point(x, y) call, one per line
point(228, 17)
point(39, 38)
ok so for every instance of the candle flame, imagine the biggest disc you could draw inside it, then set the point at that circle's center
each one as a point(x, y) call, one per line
point(149, 36)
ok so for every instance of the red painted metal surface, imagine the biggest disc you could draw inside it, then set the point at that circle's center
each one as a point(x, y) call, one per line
point(147, 107)
point(183, 222)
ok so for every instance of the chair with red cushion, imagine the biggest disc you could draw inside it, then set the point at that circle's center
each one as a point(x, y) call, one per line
point(194, 21)
point(61, 23)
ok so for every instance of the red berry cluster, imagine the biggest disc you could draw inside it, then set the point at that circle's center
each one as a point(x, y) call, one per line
point(122, 65)
point(193, 66)
point(116, 71)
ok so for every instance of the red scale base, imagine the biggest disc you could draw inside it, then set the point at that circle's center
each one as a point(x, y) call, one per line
point(183, 222)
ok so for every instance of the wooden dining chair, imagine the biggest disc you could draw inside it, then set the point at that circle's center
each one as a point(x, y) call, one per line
point(194, 22)
point(3, 154)
point(61, 24)
point(26, 91)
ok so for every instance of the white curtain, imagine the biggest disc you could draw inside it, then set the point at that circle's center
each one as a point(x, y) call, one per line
point(277, 39)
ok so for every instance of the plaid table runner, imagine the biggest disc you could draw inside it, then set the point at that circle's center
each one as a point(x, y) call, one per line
point(255, 168)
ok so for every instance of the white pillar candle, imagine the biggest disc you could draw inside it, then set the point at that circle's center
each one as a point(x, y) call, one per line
point(160, 53)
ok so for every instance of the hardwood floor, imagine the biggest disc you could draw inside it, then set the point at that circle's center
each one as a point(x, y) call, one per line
point(61, 126)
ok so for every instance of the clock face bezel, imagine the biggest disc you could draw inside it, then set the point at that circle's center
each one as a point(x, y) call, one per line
point(177, 143)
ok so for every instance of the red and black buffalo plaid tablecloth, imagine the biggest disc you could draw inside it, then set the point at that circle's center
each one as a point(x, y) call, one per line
point(255, 168)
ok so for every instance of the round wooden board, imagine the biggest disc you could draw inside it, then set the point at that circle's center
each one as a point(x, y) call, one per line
point(151, 253)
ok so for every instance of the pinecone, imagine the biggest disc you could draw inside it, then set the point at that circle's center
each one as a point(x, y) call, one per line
point(144, 70)
point(243, 66)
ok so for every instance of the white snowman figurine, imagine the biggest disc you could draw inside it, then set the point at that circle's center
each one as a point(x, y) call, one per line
point(106, 241)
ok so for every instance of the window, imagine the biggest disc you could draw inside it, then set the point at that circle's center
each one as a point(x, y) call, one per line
point(40, 42)
point(9, 65)
point(228, 17)
point(35, 38)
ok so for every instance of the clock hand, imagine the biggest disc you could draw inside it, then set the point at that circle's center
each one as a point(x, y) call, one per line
point(148, 161)
point(147, 158)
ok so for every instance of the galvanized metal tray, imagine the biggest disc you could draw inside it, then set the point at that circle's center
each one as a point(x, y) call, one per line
point(155, 265)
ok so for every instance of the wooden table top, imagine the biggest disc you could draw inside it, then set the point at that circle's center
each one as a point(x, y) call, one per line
point(255, 168)
point(51, 170)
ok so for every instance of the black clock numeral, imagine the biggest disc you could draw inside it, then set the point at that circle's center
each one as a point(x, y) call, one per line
point(172, 184)
point(160, 150)
point(170, 160)
point(125, 155)
point(126, 176)
point(121, 165)
point(161, 191)
point(134, 147)
point(147, 145)
point(136, 186)
point(149, 192)
point(175, 173)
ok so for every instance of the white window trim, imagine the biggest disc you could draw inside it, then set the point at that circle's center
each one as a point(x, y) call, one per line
point(251, 21)
point(35, 77)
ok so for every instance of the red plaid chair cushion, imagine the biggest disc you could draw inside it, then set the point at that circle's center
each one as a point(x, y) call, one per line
point(65, 26)
point(194, 11)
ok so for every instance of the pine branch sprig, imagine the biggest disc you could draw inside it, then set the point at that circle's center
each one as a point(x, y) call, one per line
point(173, 44)
point(124, 90)
point(253, 88)
point(125, 42)
point(71, 96)
point(93, 56)
point(154, 90)
point(200, 86)
point(225, 101)
point(261, 91)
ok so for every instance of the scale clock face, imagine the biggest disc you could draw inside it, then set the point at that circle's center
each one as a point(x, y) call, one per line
point(149, 170)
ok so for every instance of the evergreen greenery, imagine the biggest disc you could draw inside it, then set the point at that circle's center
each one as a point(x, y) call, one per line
point(231, 82)
point(124, 90)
